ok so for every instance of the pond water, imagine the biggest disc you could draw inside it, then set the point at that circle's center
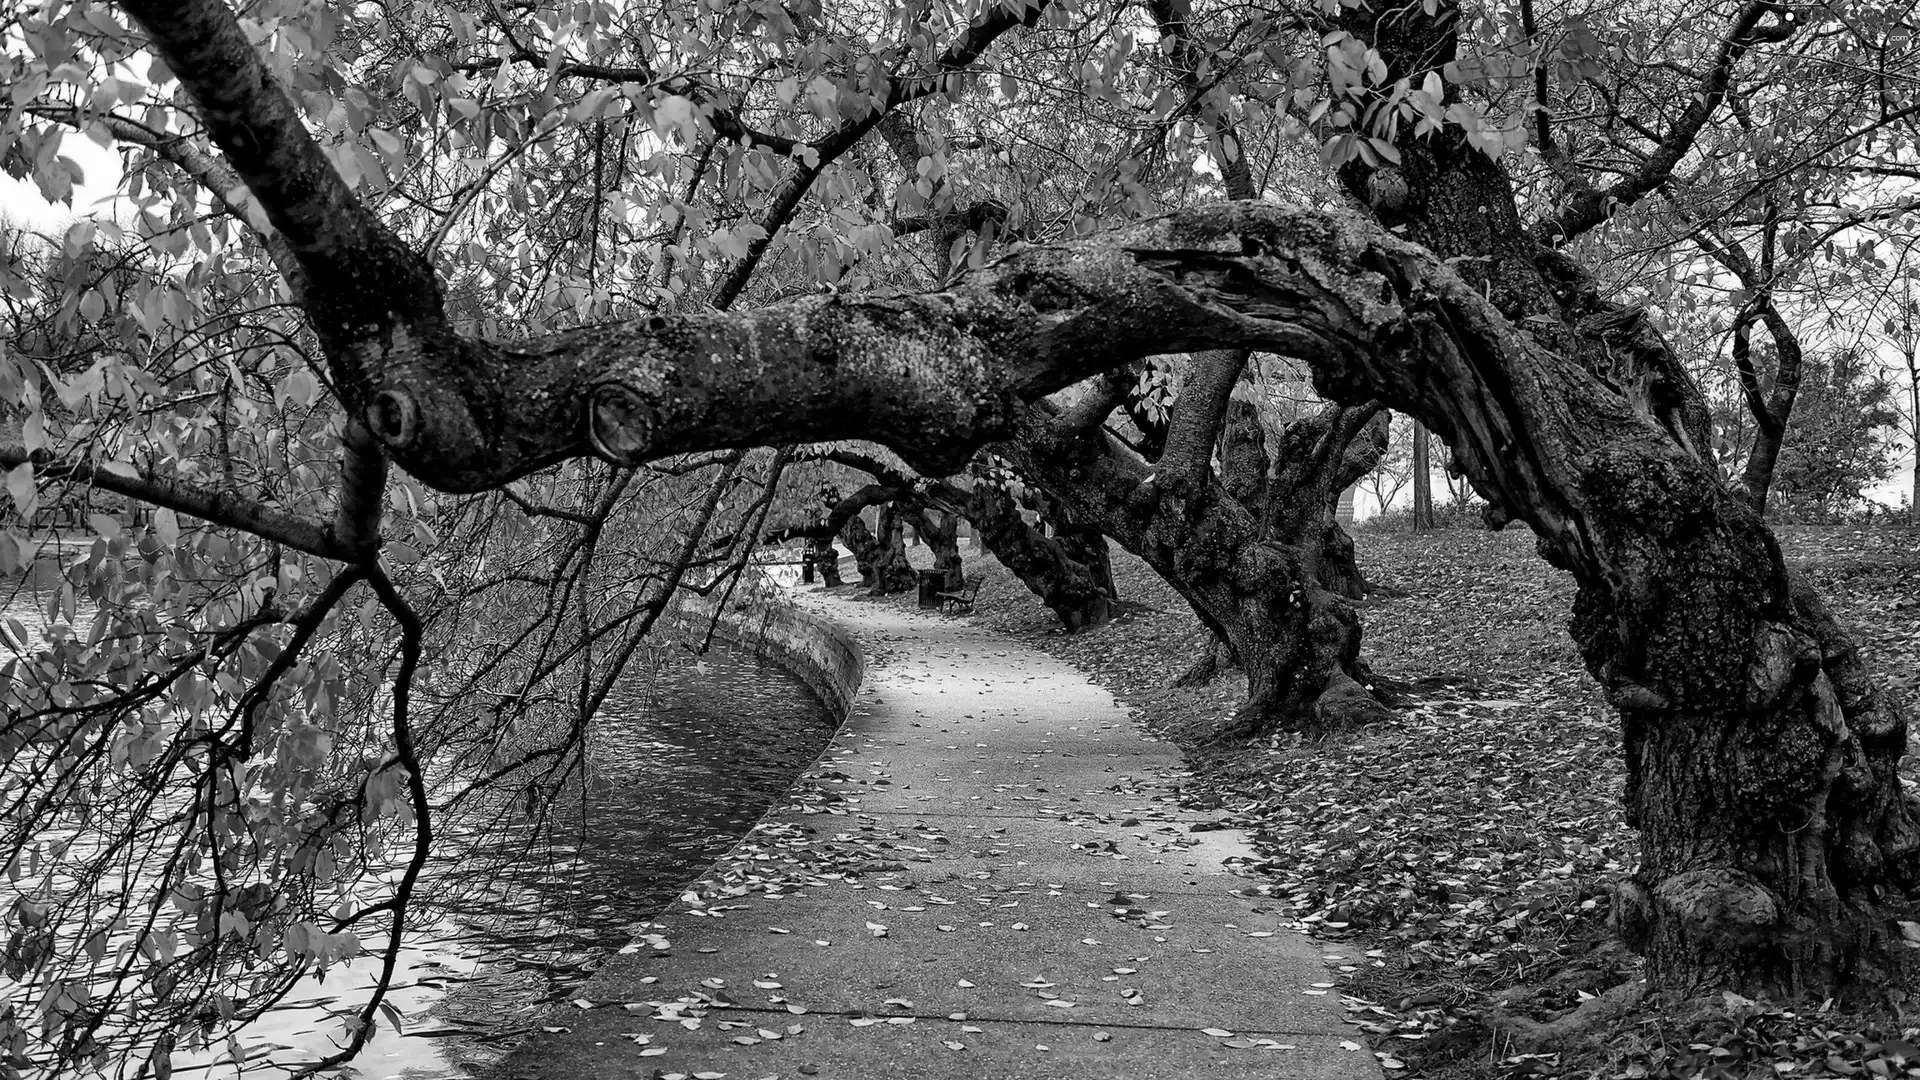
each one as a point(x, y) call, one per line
point(685, 761)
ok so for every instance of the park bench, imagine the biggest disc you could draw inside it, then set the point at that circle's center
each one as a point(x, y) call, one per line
point(960, 601)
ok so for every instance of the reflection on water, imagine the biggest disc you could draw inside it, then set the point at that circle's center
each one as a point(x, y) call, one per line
point(682, 764)
point(680, 773)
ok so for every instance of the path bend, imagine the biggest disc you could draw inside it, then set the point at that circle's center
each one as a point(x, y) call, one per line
point(986, 875)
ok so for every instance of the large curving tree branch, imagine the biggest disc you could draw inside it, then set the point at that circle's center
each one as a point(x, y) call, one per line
point(250, 118)
point(455, 410)
point(933, 375)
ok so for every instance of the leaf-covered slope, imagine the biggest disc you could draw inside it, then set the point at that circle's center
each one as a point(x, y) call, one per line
point(1470, 844)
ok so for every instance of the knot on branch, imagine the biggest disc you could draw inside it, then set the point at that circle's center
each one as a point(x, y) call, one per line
point(1785, 665)
point(1631, 915)
point(1388, 192)
point(620, 424)
point(1716, 904)
point(394, 419)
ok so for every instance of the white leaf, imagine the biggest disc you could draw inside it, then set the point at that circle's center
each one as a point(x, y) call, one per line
point(20, 487)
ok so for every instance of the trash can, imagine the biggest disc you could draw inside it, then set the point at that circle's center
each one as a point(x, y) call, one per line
point(932, 583)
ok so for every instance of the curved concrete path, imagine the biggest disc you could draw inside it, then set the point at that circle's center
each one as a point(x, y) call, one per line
point(986, 876)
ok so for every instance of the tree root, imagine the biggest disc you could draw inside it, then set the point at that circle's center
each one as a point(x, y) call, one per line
point(1583, 1026)
point(1344, 706)
point(1216, 659)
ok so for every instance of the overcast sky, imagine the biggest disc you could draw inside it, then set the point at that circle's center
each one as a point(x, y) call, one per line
point(22, 202)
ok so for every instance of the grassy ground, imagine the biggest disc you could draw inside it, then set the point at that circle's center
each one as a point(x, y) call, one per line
point(1470, 845)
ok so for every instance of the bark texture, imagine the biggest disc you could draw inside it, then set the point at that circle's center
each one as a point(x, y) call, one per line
point(865, 548)
point(1297, 640)
point(1081, 542)
point(1068, 586)
point(824, 558)
point(1761, 758)
point(892, 573)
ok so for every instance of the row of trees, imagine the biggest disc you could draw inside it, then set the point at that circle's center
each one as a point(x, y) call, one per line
point(1840, 454)
point(449, 342)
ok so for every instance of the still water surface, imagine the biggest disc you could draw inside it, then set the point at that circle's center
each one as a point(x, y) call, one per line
point(686, 761)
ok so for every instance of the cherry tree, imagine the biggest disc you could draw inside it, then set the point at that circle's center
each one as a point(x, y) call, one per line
point(456, 296)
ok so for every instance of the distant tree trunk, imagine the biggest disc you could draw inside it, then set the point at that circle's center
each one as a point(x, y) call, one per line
point(1422, 480)
point(893, 573)
point(1088, 546)
point(941, 531)
point(1913, 403)
point(822, 556)
point(1081, 542)
point(1267, 598)
point(866, 550)
point(1068, 587)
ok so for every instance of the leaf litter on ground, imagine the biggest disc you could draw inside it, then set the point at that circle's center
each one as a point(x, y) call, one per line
point(1461, 857)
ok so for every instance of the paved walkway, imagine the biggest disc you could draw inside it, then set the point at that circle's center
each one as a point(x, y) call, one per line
point(985, 876)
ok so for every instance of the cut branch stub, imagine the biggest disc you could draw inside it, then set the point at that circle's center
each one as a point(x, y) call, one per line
point(621, 424)
point(394, 418)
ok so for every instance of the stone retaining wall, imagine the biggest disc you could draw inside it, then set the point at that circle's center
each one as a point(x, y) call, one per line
point(824, 656)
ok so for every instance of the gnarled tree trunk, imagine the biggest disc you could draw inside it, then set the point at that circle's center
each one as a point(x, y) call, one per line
point(892, 573)
point(865, 548)
point(941, 531)
point(1761, 758)
point(1079, 542)
point(1069, 588)
point(1297, 640)
point(822, 556)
